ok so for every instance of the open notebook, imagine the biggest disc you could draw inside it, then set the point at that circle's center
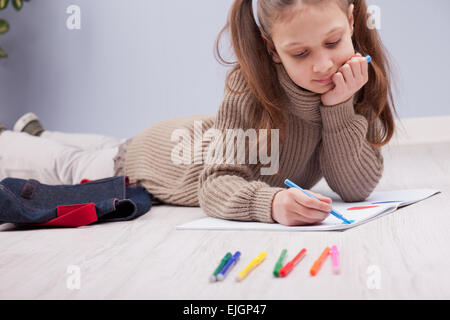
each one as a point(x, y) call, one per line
point(377, 205)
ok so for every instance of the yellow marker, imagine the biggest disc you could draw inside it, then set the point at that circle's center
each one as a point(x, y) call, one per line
point(255, 262)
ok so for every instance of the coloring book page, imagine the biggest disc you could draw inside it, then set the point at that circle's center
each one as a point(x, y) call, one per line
point(378, 204)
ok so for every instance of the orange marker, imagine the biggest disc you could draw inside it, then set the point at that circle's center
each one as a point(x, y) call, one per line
point(318, 263)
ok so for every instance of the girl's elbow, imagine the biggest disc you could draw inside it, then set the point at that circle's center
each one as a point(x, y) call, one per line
point(358, 196)
point(354, 198)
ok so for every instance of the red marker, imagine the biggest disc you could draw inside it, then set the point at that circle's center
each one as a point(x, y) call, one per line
point(290, 265)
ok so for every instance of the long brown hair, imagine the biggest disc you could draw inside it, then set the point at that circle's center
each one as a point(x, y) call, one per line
point(375, 100)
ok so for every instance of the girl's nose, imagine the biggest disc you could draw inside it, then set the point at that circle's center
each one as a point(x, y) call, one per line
point(322, 65)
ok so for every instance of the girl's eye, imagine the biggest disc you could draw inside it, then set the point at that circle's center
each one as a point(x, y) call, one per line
point(303, 54)
point(333, 43)
point(300, 55)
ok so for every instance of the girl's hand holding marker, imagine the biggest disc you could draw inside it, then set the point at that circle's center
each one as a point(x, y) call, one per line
point(292, 207)
point(349, 79)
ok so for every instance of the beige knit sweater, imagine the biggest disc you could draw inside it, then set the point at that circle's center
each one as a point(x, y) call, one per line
point(327, 142)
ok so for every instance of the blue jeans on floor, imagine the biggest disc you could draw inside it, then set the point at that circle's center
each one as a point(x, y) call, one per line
point(29, 202)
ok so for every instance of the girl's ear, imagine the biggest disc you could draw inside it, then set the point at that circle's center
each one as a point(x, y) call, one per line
point(351, 20)
point(271, 49)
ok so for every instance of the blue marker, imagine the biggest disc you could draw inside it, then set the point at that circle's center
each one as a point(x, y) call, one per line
point(369, 58)
point(230, 264)
point(333, 212)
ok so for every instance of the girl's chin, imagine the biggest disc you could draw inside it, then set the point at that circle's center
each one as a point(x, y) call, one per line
point(321, 88)
point(318, 90)
point(312, 90)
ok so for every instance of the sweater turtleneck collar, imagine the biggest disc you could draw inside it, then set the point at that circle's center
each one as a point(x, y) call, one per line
point(301, 103)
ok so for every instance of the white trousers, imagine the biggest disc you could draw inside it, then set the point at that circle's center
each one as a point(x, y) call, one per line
point(57, 158)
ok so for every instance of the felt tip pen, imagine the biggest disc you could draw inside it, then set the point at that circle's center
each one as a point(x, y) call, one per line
point(255, 262)
point(291, 264)
point(223, 262)
point(335, 259)
point(318, 263)
point(333, 212)
point(279, 264)
point(230, 264)
point(368, 58)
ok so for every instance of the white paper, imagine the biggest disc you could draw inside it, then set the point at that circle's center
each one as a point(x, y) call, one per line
point(393, 200)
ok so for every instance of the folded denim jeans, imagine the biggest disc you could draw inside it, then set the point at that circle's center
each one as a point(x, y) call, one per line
point(30, 203)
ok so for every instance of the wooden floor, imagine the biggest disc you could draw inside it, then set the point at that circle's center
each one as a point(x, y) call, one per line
point(403, 255)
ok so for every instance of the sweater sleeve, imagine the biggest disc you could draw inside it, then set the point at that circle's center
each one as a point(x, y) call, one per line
point(230, 190)
point(351, 167)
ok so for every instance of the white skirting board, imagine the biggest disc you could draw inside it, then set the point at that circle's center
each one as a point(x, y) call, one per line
point(422, 130)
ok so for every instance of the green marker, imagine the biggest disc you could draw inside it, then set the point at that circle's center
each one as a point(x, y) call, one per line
point(224, 261)
point(279, 264)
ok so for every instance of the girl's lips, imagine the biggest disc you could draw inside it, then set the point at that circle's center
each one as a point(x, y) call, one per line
point(325, 80)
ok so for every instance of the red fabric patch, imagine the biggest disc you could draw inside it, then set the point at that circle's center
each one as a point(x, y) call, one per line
point(84, 181)
point(73, 216)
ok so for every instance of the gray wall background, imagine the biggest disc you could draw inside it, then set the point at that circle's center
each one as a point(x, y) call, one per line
point(134, 63)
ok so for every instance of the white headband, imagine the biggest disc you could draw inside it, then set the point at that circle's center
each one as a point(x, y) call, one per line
point(255, 13)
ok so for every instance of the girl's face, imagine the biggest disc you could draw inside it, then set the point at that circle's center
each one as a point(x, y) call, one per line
point(313, 44)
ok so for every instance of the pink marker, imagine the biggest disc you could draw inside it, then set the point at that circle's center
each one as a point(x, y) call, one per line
point(335, 259)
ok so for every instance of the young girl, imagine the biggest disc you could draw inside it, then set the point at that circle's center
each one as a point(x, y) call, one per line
point(300, 72)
